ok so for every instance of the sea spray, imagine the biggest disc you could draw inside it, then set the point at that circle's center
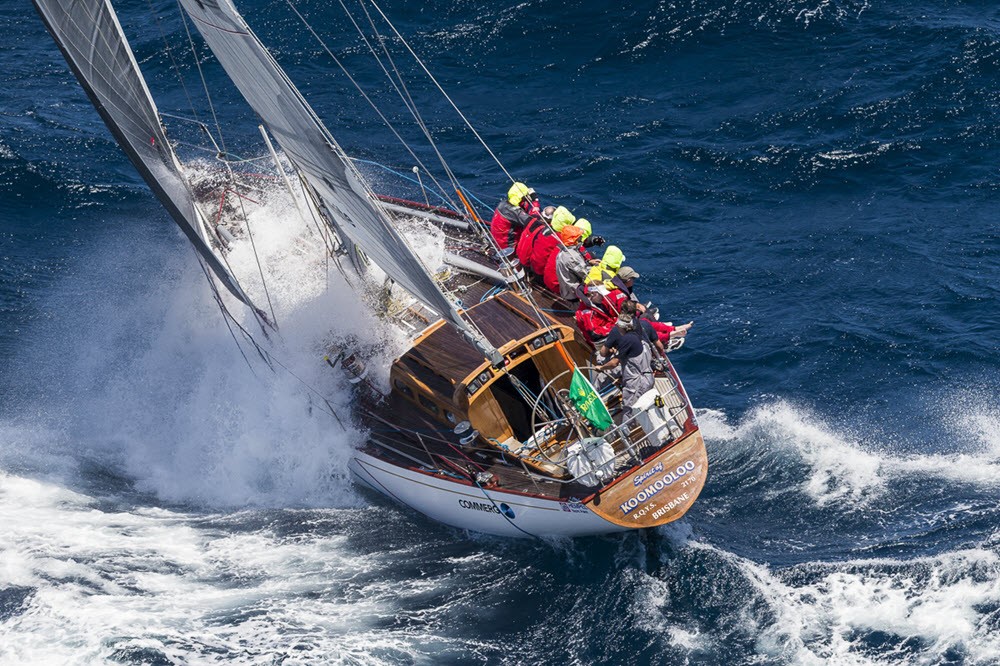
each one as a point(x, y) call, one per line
point(150, 379)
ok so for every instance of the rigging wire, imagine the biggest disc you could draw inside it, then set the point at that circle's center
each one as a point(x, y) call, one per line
point(488, 237)
point(438, 194)
point(219, 155)
point(253, 246)
point(269, 359)
point(401, 89)
point(368, 99)
point(201, 74)
point(226, 316)
point(472, 326)
point(438, 85)
point(258, 314)
point(411, 105)
point(173, 61)
point(321, 229)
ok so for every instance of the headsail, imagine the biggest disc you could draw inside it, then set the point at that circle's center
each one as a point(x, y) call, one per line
point(89, 35)
point(313, 150)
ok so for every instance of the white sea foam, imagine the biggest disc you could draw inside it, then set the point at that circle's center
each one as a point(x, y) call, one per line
point(144, 374)
point(927, 610)
point(106, 582)
point(823, 615)
point(843, 465)
point(839, 467)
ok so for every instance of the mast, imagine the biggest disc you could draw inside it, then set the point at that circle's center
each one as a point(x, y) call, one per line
point(91, 39)
point(315, 153)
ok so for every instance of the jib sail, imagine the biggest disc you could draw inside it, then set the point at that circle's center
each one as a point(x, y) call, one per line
point(315, 153)
point(89, 35)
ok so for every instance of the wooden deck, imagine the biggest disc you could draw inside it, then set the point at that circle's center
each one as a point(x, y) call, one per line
point(412, 433)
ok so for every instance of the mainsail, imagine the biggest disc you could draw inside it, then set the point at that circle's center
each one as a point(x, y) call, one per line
point(315, 153)
point(89, 35)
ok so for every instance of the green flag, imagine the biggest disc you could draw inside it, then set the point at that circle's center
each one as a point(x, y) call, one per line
point(583, 394)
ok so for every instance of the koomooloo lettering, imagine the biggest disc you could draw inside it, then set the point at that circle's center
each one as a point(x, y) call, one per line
point(656, 486)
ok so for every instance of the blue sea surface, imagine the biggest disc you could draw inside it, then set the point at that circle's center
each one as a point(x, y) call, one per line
point(813, 182)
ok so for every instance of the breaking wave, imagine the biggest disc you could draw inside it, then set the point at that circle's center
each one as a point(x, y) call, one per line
point(926, 610)
point(840, 464)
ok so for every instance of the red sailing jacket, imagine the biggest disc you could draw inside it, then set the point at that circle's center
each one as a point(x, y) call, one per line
point(597, 321)
point(546, 244)
point(662, 329)
point(549, 277)
point(509, 221)
point(612, 303)
point(594, 323)
point(526, 241)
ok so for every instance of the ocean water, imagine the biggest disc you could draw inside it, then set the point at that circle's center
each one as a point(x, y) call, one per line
point(813, 182)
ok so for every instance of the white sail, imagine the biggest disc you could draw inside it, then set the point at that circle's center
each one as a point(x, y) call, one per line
point(315, 153)
point(91, 39)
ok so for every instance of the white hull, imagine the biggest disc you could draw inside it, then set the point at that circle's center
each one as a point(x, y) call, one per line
point(492, 511)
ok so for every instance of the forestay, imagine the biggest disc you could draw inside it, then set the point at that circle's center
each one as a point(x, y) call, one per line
point(315, 153)
point(89, 35)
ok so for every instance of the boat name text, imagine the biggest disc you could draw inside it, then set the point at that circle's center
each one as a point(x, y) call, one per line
point(654, 488)
point(640, 479)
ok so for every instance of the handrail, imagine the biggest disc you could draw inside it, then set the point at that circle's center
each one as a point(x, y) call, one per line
point(622, 432)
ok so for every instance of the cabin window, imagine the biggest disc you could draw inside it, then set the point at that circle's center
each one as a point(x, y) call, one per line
point(429, 405)
point(404, 389)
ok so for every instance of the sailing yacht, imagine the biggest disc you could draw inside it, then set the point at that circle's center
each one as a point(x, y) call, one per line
point(488, 422)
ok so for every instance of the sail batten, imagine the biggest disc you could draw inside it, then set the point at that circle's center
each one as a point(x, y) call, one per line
point(91, 39)
point(315, 153)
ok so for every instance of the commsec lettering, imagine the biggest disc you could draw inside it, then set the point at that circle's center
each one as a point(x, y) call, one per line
point(478, 506)
point(656, 487)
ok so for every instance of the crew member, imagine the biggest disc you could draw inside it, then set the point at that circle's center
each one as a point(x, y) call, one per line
point(566, 268)
point(608, 268)
point(527, 239)
point(589, 240)
point(513, 214)
point(624, 280)
point(632, 340)
point(598, 310)
point(561, 217)
point(591, 319)
point(546, 242)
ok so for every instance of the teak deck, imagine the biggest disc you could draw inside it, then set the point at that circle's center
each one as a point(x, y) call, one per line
point(416, 430)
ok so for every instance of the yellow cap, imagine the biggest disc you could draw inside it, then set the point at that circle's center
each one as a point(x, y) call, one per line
point(613, 257)
point(561, 217)
point(517, 192)
point(584, 225)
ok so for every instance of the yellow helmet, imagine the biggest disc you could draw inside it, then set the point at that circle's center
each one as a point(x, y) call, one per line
point(517, 192)
point(584, 225)
point(562, 217)
point(613, 258)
